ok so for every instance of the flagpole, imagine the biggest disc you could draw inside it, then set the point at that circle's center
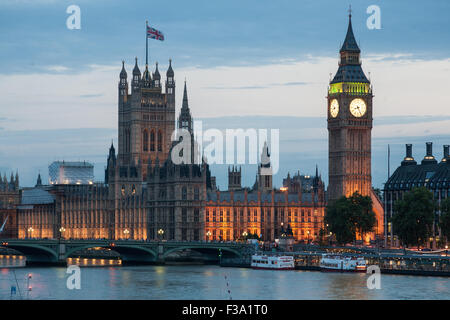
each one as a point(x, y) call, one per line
point(146, 43)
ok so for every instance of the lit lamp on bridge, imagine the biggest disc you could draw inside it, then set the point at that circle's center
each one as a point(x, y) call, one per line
point(160, 233)
point(208, 234)
point(30, 232)
point(61, 231)
point(126, 232)
point(307, 232)
point(244, 235)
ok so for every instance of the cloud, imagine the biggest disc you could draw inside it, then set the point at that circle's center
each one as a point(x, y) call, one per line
point(94, 95)
point(58, 68)
point(293, 88)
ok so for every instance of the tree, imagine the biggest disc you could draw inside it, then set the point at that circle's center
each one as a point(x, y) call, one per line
point(414, 216)
point(444, 221)
point(363, 216)
point(348, 216)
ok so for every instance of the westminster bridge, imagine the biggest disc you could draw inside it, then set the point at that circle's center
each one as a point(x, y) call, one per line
point(53, 251)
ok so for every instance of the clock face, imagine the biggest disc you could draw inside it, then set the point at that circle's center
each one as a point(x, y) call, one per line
point(358, 107)
point(334, 108)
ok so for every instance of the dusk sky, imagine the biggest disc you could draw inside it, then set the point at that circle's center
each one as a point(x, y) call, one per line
point(248, 64)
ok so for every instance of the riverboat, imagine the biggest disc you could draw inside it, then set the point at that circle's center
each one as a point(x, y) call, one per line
point(272, 262)
point(339, 263)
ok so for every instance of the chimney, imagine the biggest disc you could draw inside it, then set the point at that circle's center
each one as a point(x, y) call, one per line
point(409, 152)
point(429, 158)
point(446, 152)
point(408, 160)
point(429, 149)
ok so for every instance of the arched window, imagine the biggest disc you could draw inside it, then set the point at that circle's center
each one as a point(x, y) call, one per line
point(159, 140)
point(145, 141)
point(152, 141)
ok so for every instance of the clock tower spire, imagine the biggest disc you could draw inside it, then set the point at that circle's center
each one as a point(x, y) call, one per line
point(349, 124)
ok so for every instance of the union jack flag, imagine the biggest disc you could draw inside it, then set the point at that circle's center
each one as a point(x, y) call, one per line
point(154, 34)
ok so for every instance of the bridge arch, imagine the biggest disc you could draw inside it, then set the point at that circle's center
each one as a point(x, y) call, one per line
point(36, 253)
point(128, 252)
point(202, 249)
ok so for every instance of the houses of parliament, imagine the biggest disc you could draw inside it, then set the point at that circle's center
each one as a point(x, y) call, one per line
point(146, 196)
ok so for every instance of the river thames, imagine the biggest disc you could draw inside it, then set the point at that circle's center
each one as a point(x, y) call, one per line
point(210, 282)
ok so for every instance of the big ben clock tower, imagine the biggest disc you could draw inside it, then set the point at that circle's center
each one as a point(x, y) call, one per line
point(349, 112)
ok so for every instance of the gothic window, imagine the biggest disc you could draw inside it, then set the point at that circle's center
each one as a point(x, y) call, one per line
point(159, 140)
point(184, 193)
point(196, 215)
point(152, 140)
point(196, 193)
point(184, 215)
point(145, 141)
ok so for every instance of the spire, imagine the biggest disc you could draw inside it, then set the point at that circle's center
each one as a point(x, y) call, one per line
point(156, 75)
point(146, 77)
point(350, 42)
point(123, 72)
point(39, 180)
point(185, 97)
point(136, 70)
point(170, 72)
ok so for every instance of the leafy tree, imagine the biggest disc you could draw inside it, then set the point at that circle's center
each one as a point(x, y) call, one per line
point(348, 216)
point(363, 216)
point(444, 221)
point(414, 216)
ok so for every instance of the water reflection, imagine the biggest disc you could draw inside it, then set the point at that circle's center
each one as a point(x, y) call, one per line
point(10, 261)
point(210, 282)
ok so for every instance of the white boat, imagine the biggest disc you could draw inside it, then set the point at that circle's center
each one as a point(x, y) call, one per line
point(339, 263)
point(272, 262)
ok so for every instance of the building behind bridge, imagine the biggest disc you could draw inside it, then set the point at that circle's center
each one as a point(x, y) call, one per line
point(146, 196)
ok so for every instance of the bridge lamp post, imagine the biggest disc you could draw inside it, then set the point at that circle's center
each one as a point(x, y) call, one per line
point(126, 232)
point(61, 231)
point(245, 234)
point(308, 236)
point(30, 232)
point(208, 234)
point(160, 234)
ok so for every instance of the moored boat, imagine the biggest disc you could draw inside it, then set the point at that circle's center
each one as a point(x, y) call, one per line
point(272, 262)
point(339, 263)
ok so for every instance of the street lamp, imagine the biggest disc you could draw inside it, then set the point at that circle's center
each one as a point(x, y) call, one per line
point(160, 233)
point(446, 250)
point(61, 230)
point(126, 232)
point(30, 232)
point(245, 234)
point(208, 234)
point(307, 232)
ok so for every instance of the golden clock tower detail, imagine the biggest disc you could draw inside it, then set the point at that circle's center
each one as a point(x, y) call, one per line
point(349, 124)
